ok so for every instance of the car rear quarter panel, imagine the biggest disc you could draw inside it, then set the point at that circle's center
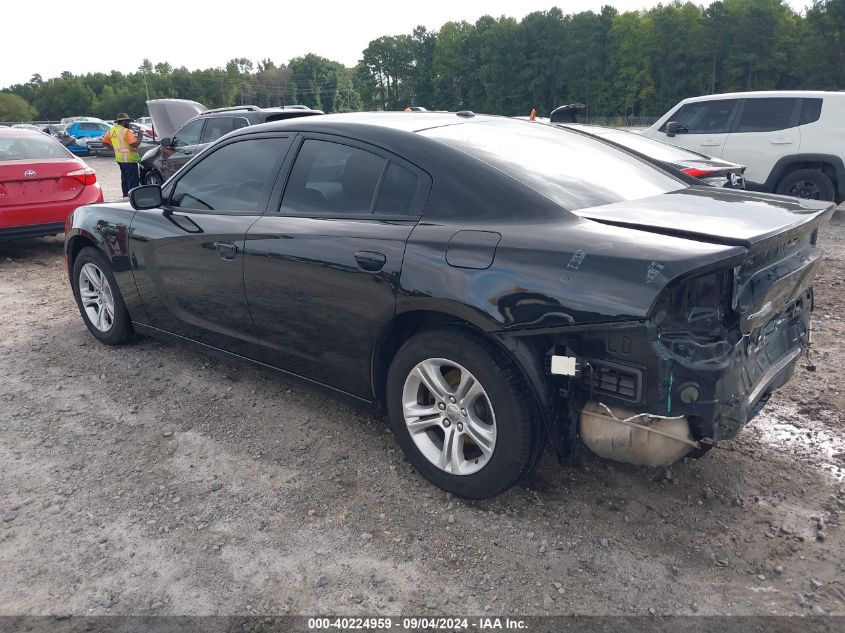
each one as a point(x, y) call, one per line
point(549, 268)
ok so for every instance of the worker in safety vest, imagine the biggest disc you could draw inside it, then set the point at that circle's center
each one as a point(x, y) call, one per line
point(125, 145)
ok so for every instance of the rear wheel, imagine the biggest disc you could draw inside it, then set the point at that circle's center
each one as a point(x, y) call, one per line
point(99, 299)
point(807, 183)
point(460, 410)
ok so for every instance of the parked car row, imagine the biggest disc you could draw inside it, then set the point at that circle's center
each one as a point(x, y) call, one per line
point(493, 286)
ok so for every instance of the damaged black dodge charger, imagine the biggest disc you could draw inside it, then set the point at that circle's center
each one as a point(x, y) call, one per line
point(493, 285)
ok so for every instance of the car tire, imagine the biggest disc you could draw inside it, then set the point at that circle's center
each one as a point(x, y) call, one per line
point(807, 183)
point(98, 298)
point(153, 178)
point(472, 431)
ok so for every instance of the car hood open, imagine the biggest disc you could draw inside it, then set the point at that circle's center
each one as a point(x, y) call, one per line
point(169, 115)
point(730, 217)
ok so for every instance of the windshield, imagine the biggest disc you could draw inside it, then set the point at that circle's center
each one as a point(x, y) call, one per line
point(571, 169)
point(642, 144)
point(34, 147)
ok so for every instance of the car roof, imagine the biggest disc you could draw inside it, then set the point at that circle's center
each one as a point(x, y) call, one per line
point(767, 93)
point(399, 121)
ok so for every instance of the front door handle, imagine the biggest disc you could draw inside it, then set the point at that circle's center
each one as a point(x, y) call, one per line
point(226, 250)
point(781, 141)
point(710, 143)
point(370, 260)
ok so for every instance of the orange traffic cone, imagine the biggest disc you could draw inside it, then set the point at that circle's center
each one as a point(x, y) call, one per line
point(533, 115)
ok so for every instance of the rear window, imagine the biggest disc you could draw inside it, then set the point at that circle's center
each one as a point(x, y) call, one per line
point(642, 144)
point(571, 169)
point(35, 147)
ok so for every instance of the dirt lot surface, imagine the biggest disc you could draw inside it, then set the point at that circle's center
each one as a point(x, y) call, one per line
point(151, 479)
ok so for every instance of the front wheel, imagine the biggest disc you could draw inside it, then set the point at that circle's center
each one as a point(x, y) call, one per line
point(99, 299)
point(153, 178)
point(460, 410)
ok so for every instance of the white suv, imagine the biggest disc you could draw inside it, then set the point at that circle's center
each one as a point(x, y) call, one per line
point(792, 141)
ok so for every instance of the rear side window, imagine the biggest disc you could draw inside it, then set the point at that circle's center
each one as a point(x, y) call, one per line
point(766, 115)
point(705, 117)
point(332, 179)
point(217, 127)
point(399, 190)
point(230, 179)
point(811, 110)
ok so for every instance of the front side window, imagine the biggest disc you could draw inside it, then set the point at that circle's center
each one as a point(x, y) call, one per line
point(705, 117)
point(232, 178)
point(189, 135)
point(332, 179)
point(766, 115)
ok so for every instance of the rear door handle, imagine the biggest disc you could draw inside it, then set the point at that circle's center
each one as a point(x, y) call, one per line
point(781, 141)
point(710, 143)
point(226, 250)
point(370, 260)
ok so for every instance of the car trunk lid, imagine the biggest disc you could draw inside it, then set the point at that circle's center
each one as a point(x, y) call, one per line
point(733, 218)
point(25, 182)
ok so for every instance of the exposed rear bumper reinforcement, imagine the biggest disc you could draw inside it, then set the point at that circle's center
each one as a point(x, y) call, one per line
point(772, 373)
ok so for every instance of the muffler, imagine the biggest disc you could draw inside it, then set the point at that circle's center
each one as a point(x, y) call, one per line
point(643, 439)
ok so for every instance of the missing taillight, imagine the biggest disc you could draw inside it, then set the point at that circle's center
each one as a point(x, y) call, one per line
point(86, 176)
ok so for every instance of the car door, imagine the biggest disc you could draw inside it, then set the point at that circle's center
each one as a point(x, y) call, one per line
point(182, 147)
point(322, 267)
point(707, 124)
point(189, 255)
point(765, 130)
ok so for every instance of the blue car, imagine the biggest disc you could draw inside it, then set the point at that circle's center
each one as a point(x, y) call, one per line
point(82, 130)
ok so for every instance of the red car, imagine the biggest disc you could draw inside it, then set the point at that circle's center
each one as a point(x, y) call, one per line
point(41, 183)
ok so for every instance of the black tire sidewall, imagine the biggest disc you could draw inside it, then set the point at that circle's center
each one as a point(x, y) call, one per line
point(121, 329)
point(825, 185)
point(515, 433)
point(153, 178)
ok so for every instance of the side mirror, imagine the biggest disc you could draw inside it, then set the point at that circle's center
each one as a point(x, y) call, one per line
point(145, 197)
point(166, 141)
point(673, 127)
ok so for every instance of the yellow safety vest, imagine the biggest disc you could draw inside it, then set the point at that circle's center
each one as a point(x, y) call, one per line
point(123, 153)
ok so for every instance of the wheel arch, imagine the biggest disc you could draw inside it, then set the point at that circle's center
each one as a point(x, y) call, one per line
point(527, 352)
point(832, 166)
point(74, 244)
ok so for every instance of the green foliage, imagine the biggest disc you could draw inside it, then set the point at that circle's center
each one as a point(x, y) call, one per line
point(637, 63)
point(14, 108)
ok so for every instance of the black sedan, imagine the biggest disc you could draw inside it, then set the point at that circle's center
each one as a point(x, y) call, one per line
point(478, 279)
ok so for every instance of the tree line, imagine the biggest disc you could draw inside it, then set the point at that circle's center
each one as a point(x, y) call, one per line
point(636, 63)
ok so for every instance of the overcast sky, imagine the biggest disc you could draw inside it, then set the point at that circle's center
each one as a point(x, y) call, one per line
point(53, 36)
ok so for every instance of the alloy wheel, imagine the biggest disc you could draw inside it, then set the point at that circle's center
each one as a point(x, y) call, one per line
point(449, 416)
point(97, 297)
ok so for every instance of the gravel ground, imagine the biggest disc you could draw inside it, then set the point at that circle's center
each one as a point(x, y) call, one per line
point(151, 479)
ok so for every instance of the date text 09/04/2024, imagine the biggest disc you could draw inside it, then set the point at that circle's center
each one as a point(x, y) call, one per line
point(416, 623)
